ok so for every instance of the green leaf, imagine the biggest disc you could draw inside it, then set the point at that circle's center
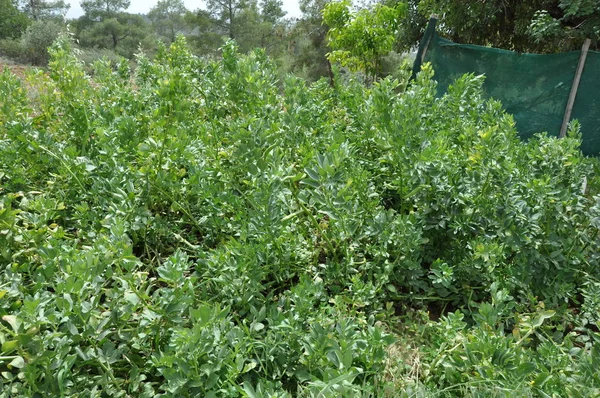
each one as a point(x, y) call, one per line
point(13, 322)
point(249, 366)
point(9, 346)
point(526, 368)
point(257, 326)
point(17, 362)
point(540, 318)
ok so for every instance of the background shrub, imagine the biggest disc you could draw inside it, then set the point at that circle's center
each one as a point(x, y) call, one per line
point(36, 40)
point(89, 56)
point(11, 48)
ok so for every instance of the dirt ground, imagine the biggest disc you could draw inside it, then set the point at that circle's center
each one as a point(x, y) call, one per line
point(14, 67)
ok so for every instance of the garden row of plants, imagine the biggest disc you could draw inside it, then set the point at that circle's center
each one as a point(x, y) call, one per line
point(198, 228)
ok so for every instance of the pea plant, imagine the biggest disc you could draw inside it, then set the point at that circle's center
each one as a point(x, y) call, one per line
point(194, 227)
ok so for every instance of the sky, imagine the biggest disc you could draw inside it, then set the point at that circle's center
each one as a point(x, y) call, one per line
point(143, 6)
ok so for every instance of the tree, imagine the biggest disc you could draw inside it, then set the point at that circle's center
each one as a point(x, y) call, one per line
point(104, 9)
point(250, 30)
point(257, 29)
point(411, 28)
point(12, 21)
point(168, 18)
point(568, 28)
point(543, 26)
point(38, 9)
point(308, 42)
point(123, 33)
point(271, 11)
point(106, 25)
point(203, 37)
point(225, 13)
point(243, 21)
point(360, 39)
point(37, 38)
point(262, 27)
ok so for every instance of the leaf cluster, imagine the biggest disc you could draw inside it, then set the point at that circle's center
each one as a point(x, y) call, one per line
point(538, 26)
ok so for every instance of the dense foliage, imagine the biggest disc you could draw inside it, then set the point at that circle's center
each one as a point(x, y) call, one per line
point(309, 44)
point(42, 9)
point(36, 40)
point(12, 21)
point(361, 39)
point(168, 18)
point(32, 45)
point(202, 229)
point(107, 30)
point(540, 26)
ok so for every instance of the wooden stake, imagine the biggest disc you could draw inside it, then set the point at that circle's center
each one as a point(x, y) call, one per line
point(433, 16)
point(574, 87)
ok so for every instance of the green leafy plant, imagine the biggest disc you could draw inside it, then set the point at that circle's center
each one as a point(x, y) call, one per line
point(197, 227)
point(361, 39)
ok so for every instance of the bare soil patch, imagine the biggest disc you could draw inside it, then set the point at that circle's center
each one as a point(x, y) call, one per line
point(16, 68)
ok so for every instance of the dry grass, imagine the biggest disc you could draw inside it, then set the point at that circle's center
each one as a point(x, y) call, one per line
point(19, 70)
point(403, 368)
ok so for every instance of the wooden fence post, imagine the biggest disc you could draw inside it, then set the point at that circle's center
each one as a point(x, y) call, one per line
point(423, 46)
point(433, 16)
point(574, 87)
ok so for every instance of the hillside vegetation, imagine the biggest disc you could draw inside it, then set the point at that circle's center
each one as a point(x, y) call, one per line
point(199, 228)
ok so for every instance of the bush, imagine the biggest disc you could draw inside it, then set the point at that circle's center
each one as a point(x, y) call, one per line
point(11, 48)
point(36, 40)
point(89, 56)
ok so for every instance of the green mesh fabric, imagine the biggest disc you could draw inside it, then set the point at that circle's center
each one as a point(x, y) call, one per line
point(534, 88)
point(587, 104)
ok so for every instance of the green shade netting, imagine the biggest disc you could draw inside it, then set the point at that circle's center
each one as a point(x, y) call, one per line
point(587, 104)
point(534, 88)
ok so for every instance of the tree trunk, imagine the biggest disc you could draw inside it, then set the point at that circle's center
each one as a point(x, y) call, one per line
point(330, 71)
point(231, 34)
point(33, 8)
